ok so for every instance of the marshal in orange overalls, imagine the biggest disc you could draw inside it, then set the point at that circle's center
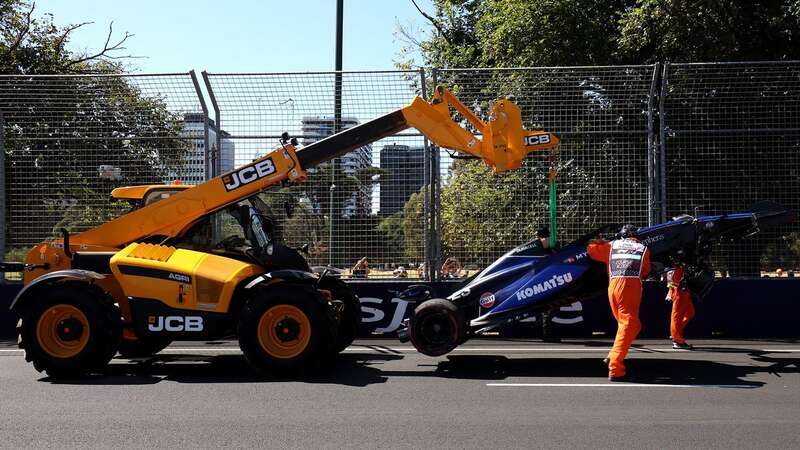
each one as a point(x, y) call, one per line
point(682, 307)
point(628, 262)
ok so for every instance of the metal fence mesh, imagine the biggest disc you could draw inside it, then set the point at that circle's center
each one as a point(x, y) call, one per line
point(639, 145)
point(601, 114)
point(69, 140)
point(731, 134)
point(350, 208)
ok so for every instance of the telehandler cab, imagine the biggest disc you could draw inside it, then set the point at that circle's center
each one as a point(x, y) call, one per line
point(156, 273)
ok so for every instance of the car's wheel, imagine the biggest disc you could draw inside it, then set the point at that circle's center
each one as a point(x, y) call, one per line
point(436, 327)
point(350, 314)
point(142, 347)
point(286, 329)
point(71, 329)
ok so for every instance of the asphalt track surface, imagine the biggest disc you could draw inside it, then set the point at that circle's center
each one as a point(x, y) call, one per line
point(380, 393)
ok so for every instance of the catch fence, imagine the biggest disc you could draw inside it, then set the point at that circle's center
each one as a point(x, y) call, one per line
point(69, 140)
point(640, 144)
point(730, 137)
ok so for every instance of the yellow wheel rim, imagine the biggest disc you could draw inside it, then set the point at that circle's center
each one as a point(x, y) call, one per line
point(284, 331)
point(62, 331)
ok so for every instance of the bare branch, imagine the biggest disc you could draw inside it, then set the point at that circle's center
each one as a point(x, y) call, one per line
point(406, 35)
point(130, 56)
point(25, 30)
point(434, 22)
point(107, 48)
point(63, 38)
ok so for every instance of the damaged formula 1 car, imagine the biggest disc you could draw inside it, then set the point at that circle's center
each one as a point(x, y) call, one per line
point(527, 280)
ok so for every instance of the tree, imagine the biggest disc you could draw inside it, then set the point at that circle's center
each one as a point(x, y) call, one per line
point(525, 33)
point(356, 231)
point(519, 33)
point(60, 130)
point(709, 30)
point(31, 45)
point(413, 223)
point(483, 215)
point(393, 231)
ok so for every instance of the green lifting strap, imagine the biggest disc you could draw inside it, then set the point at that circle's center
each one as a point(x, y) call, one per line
point(553, 219)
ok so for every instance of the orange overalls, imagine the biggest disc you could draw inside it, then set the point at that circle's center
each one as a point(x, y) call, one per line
point(682, 307)
point(628, 262)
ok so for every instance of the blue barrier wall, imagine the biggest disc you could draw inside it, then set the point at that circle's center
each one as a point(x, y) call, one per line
point(765, 308)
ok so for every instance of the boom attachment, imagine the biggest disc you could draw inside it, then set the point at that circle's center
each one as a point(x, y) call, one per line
point(502, 142)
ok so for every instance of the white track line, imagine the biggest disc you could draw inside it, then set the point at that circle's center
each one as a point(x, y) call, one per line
point(623, 385)
point(379, 348)
point(569, 349)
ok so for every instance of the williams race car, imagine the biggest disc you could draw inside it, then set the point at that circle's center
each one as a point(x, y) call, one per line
point(528, 280)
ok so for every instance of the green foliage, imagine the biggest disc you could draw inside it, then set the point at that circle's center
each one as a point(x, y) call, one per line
point(77, 217)
point(33, 44)
point(15, 254)
point(519, 33)
point(515, 33)
point(58, 131)
point(413, 222)
point(355, 236)
point(392, 229)
point(403, 230)
point(484, 214)
point(709, 30)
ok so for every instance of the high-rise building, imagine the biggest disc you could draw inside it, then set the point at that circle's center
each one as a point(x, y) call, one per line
point(317, 128)
point(228, 154)
point(406, 175)
point(194, 170)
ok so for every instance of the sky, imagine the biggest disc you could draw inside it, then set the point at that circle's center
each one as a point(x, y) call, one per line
point(243, 35)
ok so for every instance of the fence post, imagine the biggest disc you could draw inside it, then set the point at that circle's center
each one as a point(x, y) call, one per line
point(434, 220)
point(653, 178)
point(211, 155)
point(426, 204)
point(2, 193)
point(203, 105)
point(662, 144)
point(211, 159)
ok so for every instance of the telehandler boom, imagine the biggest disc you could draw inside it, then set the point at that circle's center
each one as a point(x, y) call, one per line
point(135, 283)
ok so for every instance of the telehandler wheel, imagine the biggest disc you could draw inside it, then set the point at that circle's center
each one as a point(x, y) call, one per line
point(71, 329)
point(142, 347)
point(286, 330)
point(437, 327)
point(350, 315)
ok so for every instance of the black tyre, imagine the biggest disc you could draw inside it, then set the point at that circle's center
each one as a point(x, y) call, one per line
point(286, 329)
point(350, 315)
point(436, 327)
point(142, 347)
point(70, 329)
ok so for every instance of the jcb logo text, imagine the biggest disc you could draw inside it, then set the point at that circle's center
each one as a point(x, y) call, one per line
point(537, 139)
point(175, 323)
point(248, 174)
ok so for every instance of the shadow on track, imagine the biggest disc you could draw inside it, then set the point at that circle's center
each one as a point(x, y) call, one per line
point(363, 369)
point(641, 370)
point(347, 369)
